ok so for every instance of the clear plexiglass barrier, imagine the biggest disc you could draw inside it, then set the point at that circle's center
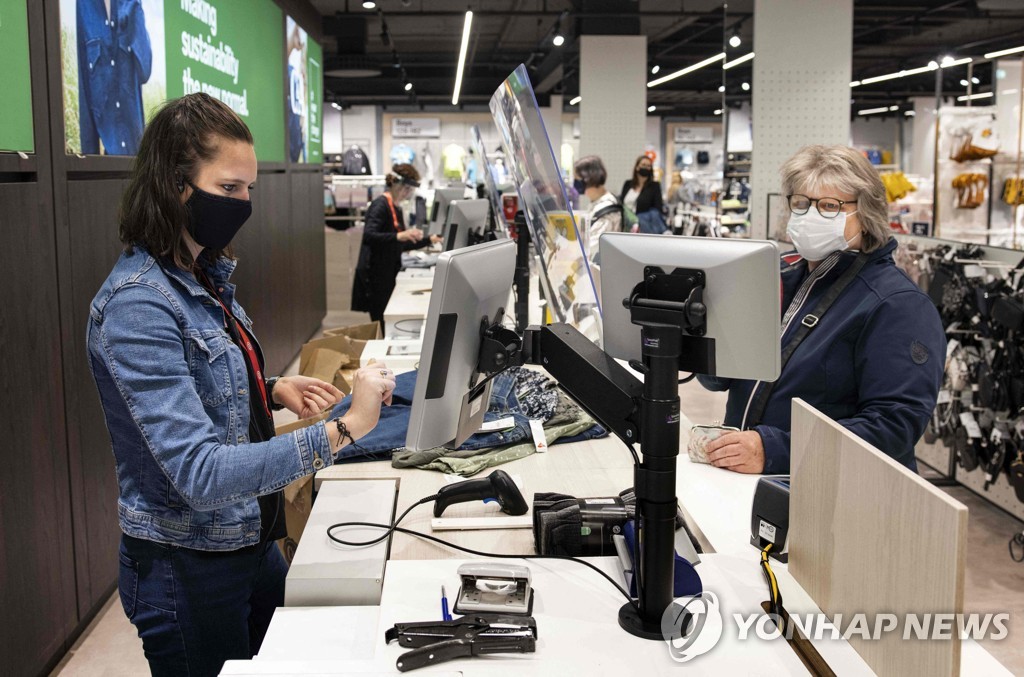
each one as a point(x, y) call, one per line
point(490, 184)
point(567, 280)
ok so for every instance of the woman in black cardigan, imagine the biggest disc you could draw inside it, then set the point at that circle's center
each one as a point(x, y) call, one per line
point(641, 193)
point(385, 237)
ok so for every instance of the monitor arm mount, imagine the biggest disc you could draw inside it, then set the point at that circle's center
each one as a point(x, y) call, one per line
point(670, 311)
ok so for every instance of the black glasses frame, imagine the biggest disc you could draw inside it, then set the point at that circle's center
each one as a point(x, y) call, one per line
point(814, 201)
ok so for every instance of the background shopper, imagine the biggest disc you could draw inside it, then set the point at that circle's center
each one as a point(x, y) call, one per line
point(605, 214)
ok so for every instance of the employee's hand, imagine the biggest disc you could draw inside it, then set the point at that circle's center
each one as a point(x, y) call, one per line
point(435, 239)
point(410, 235)
point(738, 451)
point(371, 387)
point(306, 396)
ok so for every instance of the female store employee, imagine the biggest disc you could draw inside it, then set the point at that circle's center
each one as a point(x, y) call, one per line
point(385, 237)
point(873, 361)
point(180, 378)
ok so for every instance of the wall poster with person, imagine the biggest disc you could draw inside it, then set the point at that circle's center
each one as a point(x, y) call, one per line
point(121, 59)
point(305, 94)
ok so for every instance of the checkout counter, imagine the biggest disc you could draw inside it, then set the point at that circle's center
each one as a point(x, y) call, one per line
point(575, 609)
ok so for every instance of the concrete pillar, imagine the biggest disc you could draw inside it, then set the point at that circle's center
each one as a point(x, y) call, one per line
point(801, 87)
point(552, 116)
point(613, 105)
point(922, 144)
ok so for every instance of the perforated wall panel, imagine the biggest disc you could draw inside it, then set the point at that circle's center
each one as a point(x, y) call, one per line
point(613, 109)
point(801, 86)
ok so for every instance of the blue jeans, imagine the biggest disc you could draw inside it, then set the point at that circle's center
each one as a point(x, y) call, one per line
point(196, 609)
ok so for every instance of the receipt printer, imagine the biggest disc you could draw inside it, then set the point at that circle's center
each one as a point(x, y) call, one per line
point(769, 518)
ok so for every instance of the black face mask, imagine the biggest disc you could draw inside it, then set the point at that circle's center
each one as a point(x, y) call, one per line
point(213, 220)
point(579, 185)
point(644, 172)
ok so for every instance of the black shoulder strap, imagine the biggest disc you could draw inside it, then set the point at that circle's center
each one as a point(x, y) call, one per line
point(807, 323)
point(605, 211)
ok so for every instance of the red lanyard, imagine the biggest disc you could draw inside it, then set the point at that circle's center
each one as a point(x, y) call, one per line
point(394, 214)
point(247, 347)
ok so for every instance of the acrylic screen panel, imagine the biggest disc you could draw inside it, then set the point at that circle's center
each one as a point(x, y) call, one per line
point(489, 183)
point(564, 267)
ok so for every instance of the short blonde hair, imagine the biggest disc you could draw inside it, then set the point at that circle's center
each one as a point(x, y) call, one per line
point(843, 168)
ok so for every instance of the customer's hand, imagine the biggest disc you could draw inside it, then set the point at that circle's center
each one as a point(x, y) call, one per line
point(410, 235)
point(436, 239)
point(738, 451)
point(371, 387)
point(306, 396)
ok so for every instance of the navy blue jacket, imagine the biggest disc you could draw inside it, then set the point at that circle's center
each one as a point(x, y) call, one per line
point(114, 60)
point(873, 363)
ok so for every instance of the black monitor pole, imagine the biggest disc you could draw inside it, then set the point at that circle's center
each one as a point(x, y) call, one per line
point(522, 274)
point(669, 309)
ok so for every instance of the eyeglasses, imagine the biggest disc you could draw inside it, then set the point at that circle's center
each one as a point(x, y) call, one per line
point(829, 207)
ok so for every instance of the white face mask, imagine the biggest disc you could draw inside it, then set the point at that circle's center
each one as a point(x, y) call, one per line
point(815, 236)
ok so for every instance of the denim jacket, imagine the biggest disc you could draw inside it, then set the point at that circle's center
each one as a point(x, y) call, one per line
point(175, 397)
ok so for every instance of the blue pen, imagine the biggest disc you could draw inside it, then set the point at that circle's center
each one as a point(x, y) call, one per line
point(445, 616)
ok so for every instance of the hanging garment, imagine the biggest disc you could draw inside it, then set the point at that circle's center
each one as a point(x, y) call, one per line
point(402, 155)
point(354, 161)
point(452, 159)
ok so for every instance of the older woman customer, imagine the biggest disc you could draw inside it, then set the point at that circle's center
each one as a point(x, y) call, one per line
point(605, 215)
point(872, 350)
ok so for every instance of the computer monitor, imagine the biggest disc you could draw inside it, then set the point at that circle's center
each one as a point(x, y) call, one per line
point(464, 217)
point(439, 208)
point(741, 295)
point(420, 211)
point(490, 187)
point(450, 397)
point(330, 206)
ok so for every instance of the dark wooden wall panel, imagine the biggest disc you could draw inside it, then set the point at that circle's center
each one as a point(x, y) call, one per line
point(58, 491)
point(92, 212)
point(37, 605)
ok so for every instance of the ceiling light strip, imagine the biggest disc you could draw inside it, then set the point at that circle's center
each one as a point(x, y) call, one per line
point(688, 69)
point(1004, 52)
point(737, 62)
point(972, 97)
point(462, 57)
point(872, 111)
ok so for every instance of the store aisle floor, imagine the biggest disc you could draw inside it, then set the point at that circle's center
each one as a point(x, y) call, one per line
point(109, 647)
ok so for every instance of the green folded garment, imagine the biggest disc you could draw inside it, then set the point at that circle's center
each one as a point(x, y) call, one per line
point(470, 462)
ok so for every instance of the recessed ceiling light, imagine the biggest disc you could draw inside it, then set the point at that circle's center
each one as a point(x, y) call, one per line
point(735, 41)
point(651, 109)
point(654, 69)
point(745, 86)
point(558, 40)
point(369, 4)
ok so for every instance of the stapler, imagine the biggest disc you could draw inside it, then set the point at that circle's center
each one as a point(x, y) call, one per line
point(435, 642)
point(494, 587)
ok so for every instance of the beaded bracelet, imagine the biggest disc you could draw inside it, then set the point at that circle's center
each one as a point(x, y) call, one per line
point(343, 432)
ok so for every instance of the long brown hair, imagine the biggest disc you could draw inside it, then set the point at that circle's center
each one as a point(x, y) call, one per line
point(636, 177)
point(182, 134)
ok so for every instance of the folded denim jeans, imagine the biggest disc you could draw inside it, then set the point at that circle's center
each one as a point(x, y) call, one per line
point(391, 429)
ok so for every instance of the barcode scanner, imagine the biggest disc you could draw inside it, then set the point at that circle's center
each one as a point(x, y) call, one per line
point(498, 486)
